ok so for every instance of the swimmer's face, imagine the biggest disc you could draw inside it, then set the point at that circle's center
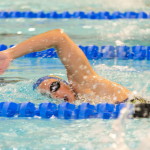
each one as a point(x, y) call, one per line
point(57, 90)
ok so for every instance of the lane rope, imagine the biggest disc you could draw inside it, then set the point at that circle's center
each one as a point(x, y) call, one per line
point(71, 111)
point(77, 15)
point(94, 52)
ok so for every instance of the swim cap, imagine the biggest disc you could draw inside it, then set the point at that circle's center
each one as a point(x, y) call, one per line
point(40, 80)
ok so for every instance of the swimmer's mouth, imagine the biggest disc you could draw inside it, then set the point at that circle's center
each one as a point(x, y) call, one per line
point(66, 99)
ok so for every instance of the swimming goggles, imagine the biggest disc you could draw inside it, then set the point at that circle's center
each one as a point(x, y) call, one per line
point(55, 86)
point(40, 80)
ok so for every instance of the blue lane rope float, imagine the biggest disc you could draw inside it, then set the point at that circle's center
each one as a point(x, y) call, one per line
point(94, 52)
point(71, 111)
point(77, 14)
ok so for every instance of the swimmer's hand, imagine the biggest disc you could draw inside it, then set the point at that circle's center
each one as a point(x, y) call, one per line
point(4, 61)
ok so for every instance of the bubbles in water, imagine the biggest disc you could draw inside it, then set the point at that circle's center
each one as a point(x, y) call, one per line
point(31, 29)
point(119, 43)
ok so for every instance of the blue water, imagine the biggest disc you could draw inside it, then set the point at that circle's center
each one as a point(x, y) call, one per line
point(90, 134)
point(95, 134)
point(67, 5)
point(132, 74)
point(57, 134)
point(83, 32)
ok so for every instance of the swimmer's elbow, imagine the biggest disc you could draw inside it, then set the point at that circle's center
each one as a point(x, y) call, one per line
point(60, 35)
point(59, 32)
point(56, 37)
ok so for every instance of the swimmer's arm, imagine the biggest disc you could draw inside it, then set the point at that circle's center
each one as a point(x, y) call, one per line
point(70, 54)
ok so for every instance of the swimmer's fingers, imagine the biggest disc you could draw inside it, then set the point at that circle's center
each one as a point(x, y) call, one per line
point(4, 62)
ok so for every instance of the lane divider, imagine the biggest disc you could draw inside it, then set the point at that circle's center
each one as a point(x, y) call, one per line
point(94, 52)
point(71, 111)
point(77, 14)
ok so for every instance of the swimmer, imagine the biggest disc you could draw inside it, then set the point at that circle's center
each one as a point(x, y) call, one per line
point(83, 82)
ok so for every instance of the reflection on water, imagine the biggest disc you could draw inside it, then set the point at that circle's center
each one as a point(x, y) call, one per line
point(92, 134)
point(83, 32)
point(67, 5)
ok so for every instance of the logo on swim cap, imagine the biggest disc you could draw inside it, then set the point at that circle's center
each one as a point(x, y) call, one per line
point(40, 80)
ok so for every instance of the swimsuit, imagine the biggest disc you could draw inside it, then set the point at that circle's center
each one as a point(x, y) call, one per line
point(138, 100)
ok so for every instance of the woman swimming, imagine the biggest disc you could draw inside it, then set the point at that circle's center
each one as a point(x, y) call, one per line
point(84, 82)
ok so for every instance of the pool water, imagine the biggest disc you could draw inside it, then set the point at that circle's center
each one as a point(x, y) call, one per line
point(95, 134)
point(67, 5)
point(132, 74)
point(90, 134)
point(83, 32)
